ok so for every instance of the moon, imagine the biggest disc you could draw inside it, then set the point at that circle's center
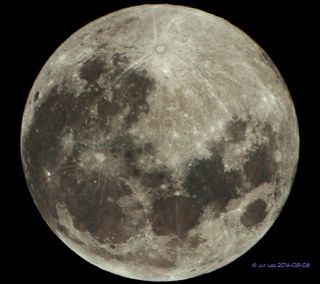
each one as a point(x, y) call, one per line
point(159, 142)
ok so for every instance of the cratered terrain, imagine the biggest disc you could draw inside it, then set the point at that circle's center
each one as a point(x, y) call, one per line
point(159, 142)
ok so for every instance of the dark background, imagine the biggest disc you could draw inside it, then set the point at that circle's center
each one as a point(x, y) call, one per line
point(33, 30)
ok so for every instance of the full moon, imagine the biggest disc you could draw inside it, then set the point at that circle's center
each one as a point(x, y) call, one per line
point(159, 142)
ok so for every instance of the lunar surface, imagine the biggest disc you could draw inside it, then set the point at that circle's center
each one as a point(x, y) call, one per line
point(159, 142)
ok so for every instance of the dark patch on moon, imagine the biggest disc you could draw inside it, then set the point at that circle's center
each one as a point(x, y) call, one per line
point(268, 61)
point(156, 178)
point(130, 87)
point(88, 203)
point(147, 149)
point(92, 69)
point(132, 91)
point(45, 199)
point(236, 130)
point(174, 215)
point(108, 109)
point(255, 213)
point(36, 96)
point(195, 241)
point(130, 20)
point(207, 182)
point(278, 186)
point(119, 59)
point(94, 209)
point(261, 166)
point(41, 151)
point(123, 146)
point(100, 30)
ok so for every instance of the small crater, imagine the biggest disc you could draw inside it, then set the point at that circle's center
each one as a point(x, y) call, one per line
point(147, 149)
point(195, 241)
point(255, 213)
point(119, 59)
point(36, 96)
point(130, 20)
point(161, 48)
point(174, 215)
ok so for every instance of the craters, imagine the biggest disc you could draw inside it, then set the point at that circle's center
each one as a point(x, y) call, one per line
point(100, 30)
point(195, 241)
point(147, 149)
point(128, 92)
point(268, 61)
point(174, 215)
point(119, 59)
point(254, 213)
point(36, 96)
point(236, 130)
point(130, 20)
point(124, 148)
point(278, 186)
point(207, 182)
point(161, 48)
point(92, 69)
point(157, 261)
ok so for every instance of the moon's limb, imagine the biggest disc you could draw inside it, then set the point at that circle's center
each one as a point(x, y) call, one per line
point(159, 142)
